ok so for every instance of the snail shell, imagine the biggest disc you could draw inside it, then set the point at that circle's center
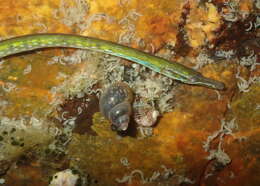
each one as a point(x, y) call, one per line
point(115, 104)
point(146, 116)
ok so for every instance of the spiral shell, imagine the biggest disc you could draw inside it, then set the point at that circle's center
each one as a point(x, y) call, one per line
point(115, 104)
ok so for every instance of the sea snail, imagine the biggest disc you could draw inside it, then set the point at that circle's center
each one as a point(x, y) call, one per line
point(115, 104)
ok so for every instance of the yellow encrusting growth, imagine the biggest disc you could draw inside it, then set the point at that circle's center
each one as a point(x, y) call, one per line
point(202, 23)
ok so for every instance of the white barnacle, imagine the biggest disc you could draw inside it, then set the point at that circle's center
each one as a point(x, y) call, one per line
point(257, 4)
point(202, 59)
point(250, 27)
point(80, 95)
point(128, 178)
point(63, 115)
point(28, 69)
point(36, 122)
point(72, 13)
point(219, 154)
point(98, 17)
point(65, 177)
point(2, 181)
point(218, 94)
point(80, 110)
point(155, 176)
point(225, 54)
point(250, 60)
point(182, 179)
point(61, 75)
point(8, 87)
point(70, 122)
point(125, 161)
point(257, 22)
point(232, 14)
point(242, 84)
point(167, 173)
point(126, 37)
point(145, 116)
point(232, 17)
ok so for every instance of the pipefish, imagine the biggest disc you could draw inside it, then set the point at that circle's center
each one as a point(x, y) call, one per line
point(170, 69)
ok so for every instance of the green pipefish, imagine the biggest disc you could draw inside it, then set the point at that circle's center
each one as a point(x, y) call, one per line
point(170, 69)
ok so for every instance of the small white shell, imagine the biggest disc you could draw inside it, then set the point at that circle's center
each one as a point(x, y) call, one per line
point(146, 116)
point(63, 178)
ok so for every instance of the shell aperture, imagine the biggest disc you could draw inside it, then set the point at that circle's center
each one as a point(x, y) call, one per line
point(115, 104)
